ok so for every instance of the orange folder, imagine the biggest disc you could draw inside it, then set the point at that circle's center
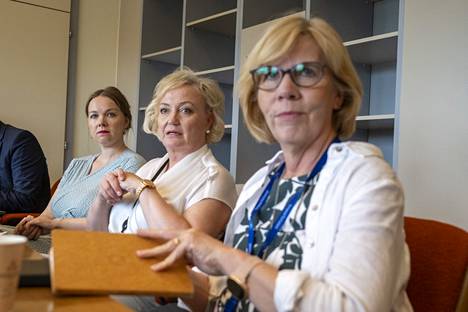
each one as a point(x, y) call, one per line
point(106, 263)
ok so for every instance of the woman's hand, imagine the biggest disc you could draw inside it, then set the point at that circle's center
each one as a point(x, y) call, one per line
point(109, 188)
point(20, 228)
point(25, 228)
point(45, 223)
point(198, 248)
point(128, 181)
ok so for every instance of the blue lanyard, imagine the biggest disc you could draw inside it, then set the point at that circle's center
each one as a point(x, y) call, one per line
point(279, 222)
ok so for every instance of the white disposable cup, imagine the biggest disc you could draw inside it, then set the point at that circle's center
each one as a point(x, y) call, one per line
point(11, 256)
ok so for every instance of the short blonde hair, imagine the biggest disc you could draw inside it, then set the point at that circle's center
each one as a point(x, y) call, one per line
point(208, 89)
point(278, 40)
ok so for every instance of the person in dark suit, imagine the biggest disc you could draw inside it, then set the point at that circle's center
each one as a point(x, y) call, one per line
point(24, 177)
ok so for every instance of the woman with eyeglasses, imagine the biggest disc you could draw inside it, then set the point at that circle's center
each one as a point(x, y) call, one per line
point(320, 227)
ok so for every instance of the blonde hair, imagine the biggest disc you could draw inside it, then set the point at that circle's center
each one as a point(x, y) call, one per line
point(208, 89)
point(277, 42)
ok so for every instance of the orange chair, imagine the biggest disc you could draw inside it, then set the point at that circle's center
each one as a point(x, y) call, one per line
point(15, 217)
point(439, 260)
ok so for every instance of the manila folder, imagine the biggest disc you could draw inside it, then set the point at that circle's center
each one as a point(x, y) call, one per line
point(106, 263)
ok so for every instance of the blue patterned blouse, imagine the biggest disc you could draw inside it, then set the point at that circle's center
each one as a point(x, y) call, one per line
point(78, 189)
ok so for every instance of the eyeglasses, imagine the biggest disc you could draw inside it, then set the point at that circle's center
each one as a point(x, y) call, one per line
point(307, 74)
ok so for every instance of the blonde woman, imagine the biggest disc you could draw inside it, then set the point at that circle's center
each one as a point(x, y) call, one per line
point(187, 187)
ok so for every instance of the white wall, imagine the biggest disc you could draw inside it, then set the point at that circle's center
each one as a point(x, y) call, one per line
point(433, 141)
point(128, 61)
point(96, 62)
point(108, 54)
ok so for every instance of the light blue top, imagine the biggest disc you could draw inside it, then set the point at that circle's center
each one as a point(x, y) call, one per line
point(78, 189)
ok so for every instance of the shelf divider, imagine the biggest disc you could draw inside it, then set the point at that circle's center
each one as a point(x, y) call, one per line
point(211, 17)
point(171, 56)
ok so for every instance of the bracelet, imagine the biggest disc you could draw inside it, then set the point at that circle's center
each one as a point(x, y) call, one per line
point(251, 270)
point(144, 184)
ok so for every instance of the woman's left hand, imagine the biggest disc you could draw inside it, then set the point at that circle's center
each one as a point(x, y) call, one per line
point(44, 222)
point(198, 248)
point(128, 181)
point(39, 226)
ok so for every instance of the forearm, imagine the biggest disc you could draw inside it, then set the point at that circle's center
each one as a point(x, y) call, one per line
point(261, 280)
point(199, 299)
point(71, 224)
point(98, 216)
point(261, 285)
point(159, 214)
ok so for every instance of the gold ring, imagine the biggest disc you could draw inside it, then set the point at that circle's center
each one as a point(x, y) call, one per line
point(176, 241)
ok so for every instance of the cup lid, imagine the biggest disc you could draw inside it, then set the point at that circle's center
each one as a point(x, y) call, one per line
point(12, 239)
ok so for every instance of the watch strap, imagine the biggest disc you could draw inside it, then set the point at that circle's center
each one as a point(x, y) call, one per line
point(237, 281)
point(144, 184)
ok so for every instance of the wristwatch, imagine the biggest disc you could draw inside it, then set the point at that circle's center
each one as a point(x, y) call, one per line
point(237, 281)
point(236, 287)
point(144, 184)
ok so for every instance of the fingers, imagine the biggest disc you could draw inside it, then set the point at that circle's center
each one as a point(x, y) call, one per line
point(130, 181)
point(158, 234)
point(110, 189)
point(114, 184)
point(175, 247)
point(19, 229)
point(35, 221)
point(34, 233)
point(158, 250)
point(42, 222)
point(120, 174)
point(176, 254)
point(26, 230)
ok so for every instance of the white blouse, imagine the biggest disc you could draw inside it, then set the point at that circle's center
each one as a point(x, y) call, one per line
point(196, 177)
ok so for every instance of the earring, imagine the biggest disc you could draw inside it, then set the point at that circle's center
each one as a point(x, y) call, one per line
point(207, 131)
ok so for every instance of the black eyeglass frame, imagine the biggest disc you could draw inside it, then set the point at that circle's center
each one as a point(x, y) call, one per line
point(283, 72)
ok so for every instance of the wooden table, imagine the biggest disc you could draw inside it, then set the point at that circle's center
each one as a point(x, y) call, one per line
point(40, 299)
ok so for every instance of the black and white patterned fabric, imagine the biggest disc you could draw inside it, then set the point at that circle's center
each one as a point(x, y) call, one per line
point(285, 252)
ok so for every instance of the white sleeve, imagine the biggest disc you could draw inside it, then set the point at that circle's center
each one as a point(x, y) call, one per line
point(219, 185)
point(367, 268)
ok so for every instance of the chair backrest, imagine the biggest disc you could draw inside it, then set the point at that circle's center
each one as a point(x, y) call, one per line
point(439, 259)
point(54, 186)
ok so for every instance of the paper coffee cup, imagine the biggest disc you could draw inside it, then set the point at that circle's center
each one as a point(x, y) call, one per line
point(11, 256)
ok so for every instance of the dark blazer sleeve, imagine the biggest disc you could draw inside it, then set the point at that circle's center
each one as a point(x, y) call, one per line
point(26, 188)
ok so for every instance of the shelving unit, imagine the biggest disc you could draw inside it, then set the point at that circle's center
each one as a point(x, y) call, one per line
point(161, 53)
point(257, 12)
point(212, 37)
point(199, 34)
point(384, 121)
point(375, 58)
point(375, 49)
point(171, 56)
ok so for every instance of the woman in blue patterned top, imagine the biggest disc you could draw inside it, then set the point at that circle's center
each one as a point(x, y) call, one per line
point(109, 118)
